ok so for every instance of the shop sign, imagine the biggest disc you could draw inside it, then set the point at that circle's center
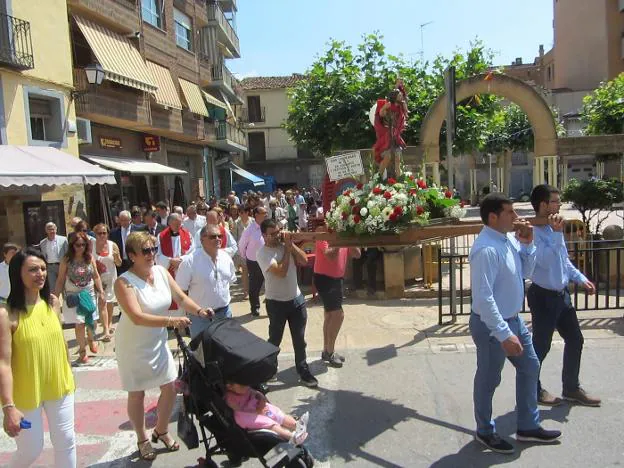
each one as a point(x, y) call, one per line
point(151, 143)
point(110, 143)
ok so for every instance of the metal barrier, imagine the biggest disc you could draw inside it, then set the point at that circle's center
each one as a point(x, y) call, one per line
point(600, 261)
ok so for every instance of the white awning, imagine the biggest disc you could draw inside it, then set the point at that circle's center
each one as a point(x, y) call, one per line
point(44, 165)
point(133, 166)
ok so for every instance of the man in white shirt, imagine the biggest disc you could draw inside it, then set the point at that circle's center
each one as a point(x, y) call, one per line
point(228, 243)
point(53, 247)
point(5, 284)
point(207, 274)
point(250, 243)
point(194, 222)
point(278, 259)
point(163, 213)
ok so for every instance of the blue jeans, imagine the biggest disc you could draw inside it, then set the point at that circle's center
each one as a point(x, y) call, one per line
point(198, 324)
point(490, 362)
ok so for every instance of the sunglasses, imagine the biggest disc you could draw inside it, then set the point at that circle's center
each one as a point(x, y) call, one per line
point(80, 244)
point(149, 250)
point(214, 236)
point(101, 233)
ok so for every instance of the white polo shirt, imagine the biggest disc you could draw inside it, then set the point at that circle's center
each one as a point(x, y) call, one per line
point(207, 283)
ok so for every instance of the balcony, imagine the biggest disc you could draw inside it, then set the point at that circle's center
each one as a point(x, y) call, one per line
point(193, 8)
point(15, 44)
point(254, 115)
point(111, 104)
point(227, 35)
point(169, 121)
point(228, 5)
point(192, 127)
point(229, 137)
point(223, 79)
point(122, 15)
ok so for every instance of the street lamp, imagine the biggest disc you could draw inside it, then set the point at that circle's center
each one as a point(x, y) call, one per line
point(95, 73)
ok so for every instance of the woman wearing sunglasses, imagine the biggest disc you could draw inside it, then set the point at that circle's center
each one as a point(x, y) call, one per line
point(144, 360)
point(77, 273)
point(107, 260)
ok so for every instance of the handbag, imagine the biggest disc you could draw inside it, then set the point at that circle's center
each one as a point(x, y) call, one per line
point(187, 432)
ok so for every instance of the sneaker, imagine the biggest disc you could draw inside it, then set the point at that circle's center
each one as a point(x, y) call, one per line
point(332, 359)
point(302, 425)
point(581, 397)
point(255, 313)
point(546, 399)
point(539, 435)
point(307, 379)
point(495, 443)
point(298, 439)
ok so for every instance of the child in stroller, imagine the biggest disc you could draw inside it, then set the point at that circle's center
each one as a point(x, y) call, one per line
point(253, 411)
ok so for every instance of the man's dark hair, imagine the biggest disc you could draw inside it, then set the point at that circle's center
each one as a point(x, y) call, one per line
point(493, 203)
point(266, 224)
point(257, 209)
point(6, 248)
point(162, 205)
point(149, 213)
point(541, 193)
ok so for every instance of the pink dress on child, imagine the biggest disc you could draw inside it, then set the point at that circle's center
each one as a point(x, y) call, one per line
point(246, 415)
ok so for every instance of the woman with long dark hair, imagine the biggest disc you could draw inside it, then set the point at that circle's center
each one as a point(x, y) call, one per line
point(79, 279)
point(35, 373)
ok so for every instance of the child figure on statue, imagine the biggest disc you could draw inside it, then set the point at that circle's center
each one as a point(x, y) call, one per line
point(389, 123)
point(253, 411)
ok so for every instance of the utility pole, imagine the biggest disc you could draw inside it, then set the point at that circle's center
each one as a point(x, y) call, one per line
point(422, 40)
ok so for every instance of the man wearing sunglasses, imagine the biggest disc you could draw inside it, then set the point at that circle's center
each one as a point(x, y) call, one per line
point(207, 275)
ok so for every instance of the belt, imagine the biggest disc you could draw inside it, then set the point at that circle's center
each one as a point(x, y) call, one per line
point(550, 292)
point(221, 309)
point(513, 317)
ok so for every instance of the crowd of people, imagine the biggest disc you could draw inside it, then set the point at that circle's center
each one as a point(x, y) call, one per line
point(174, 269)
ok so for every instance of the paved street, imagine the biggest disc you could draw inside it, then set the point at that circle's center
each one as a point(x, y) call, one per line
point(402, 399)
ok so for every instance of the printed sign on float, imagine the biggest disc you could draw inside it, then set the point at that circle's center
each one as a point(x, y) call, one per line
point(344, 166)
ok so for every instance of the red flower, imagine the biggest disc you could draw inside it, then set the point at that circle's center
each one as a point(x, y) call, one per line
point(359, 186)
point(391, 181)
point(413, 191)
point(411, 177)
point(462, 204)
point(355, 210)
point(393, 217)
point(346, 193)
point(357, 219)
point(448, 194)
point(352, 202)
point(421, 184)
point(345, 215)
point(398, 210)
point(387, 195)
point(377, 191)
point(419, 210)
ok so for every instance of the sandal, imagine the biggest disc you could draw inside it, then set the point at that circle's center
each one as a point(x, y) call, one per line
point(83, 359)
point(93, 347)
point(146, 451)
point(106, 339)
point(173, 447)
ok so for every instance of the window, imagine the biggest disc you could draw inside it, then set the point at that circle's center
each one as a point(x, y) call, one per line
point(183, 30)
point(152, 11)
point(45, 117)
point(254, 109)
point(257, 148)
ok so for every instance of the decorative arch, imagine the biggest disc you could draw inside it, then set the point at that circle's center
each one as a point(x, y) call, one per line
point(529, 100)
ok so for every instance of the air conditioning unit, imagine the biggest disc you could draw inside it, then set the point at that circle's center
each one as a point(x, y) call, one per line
point(84, 131)
point(621, 4)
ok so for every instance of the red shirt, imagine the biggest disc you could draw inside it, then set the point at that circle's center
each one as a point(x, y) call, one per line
point(330, 266)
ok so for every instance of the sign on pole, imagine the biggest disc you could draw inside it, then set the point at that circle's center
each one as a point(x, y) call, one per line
point(344, 166)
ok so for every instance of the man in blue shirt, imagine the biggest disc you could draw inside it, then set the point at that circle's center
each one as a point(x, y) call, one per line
point(499, 262)
point(549, 298)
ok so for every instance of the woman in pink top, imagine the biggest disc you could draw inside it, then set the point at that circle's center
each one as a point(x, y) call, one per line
point(253, 411)
point(329, 269)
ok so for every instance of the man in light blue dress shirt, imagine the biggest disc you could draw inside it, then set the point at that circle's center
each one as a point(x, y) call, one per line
point(549, 298)
point(499, 262)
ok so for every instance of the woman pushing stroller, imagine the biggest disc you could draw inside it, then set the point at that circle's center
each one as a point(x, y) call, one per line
point(252, 411)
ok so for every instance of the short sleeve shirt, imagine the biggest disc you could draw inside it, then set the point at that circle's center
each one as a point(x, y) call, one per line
point(276, 288)
point(330, 266)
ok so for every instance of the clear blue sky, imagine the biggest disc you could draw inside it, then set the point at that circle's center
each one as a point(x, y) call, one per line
point(280, 37)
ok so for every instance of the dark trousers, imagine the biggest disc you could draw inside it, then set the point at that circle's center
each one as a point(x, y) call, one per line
point(294, 312)
point(370, 258)
point(550, 311)
point(256, 280)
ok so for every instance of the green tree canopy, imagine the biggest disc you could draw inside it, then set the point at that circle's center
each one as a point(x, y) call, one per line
point(603, 110)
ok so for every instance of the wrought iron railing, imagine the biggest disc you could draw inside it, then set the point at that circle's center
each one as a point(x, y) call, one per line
point(227, 131)
point(254, 114)
point(15, 43)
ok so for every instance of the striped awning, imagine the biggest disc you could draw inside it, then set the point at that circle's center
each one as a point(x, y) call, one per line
point(166, 94)
point(193, 98)
point(121, 61)
point(210, 99)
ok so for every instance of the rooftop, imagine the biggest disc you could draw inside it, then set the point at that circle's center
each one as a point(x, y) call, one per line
point(271, 82)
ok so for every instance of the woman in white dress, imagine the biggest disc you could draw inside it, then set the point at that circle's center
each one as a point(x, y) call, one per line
point(107, 259)
point(144, 360)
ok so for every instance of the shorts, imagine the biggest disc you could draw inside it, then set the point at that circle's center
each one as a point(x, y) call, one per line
point(330, 290)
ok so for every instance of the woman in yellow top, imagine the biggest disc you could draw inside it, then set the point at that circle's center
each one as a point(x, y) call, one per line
point(35, 373)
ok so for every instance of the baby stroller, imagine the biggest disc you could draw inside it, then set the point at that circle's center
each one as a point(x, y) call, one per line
point(226, 351)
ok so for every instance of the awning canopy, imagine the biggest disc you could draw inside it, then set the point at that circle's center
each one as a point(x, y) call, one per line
point(210, 99)
point(44, 165)
point(166, 94)
point(121, 61)
point(133, 166)
point(254, 179)
point(193, 98)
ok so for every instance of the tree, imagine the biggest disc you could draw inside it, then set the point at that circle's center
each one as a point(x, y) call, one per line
point(592, 197)
point(603, 110)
